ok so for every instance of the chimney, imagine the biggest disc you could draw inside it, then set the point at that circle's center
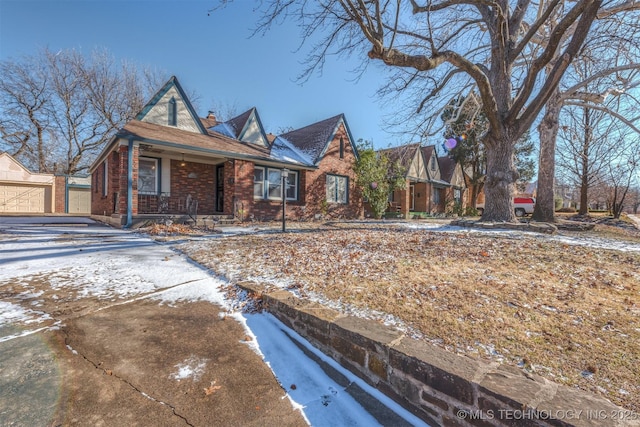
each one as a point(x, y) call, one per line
point(211, 116)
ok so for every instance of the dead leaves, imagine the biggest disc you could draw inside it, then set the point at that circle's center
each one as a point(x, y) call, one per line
point(208, 391)
point(459, 289)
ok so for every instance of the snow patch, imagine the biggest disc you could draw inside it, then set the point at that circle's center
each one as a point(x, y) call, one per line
point(192, 367)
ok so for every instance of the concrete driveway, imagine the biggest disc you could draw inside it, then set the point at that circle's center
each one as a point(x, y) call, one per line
point(101, 327)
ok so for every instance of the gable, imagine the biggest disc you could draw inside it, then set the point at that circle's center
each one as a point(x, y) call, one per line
point(253, 132)
point(171, 107)
point(313, 141)
point(246, 127)
point(433, 168)
point(13, 171)
point(417, 167)
point(457, 180)
point(333, 149)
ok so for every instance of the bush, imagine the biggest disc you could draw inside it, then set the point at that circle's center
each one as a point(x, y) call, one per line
point(566, 210)
point(392, 215)
point(469, 211)
point(558, 204)
point(419, 215)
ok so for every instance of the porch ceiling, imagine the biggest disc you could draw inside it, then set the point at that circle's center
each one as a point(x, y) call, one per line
point(185, 153)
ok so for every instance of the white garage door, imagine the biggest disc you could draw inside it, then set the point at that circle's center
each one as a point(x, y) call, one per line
point(79, 200)
point(23, 199)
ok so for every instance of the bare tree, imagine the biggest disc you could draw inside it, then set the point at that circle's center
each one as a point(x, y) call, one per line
point(24, 95)
point(621, 176)
point(588, 143)
point(448, 46)
point(59, 109)
point(607, 67)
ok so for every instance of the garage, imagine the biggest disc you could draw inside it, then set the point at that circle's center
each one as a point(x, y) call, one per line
point(79, 200)
point(25, 198)
point(23, 192)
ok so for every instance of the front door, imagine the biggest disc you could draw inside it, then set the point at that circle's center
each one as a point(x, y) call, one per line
point(220, 188)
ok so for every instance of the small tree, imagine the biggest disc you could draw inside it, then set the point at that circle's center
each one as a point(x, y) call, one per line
point(621, 177)
point(376, 177)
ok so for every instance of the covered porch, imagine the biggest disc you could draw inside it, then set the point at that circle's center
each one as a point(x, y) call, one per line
point(418, 197)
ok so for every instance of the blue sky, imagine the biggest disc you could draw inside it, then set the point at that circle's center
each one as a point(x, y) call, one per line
point(213, 56)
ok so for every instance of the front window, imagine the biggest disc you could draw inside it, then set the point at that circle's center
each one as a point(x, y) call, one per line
point(274, 184)
point(267, 184)
point(147, 176)
point(436, 196)
point(292, 186)
point(258, 182)
point(337, 189)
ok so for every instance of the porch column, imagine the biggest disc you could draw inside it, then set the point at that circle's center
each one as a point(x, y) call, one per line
point(405, 203)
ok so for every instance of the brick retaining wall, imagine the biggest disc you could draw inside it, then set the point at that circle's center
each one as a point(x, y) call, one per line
point(440, 387)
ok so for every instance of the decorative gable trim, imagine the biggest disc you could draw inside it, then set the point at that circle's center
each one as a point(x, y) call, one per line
point(341, 121)
point(254, 118)
point(173, 83)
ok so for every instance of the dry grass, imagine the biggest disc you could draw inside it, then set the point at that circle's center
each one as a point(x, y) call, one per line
point(569, 313)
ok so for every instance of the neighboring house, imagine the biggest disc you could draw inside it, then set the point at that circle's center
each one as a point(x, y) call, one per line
point(169, 162)
point(425, 190)
point(24, 192)
point(451, 172)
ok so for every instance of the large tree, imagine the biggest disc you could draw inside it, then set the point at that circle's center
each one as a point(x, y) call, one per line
point(466, 122)
point(58, 109)
point(448, 46)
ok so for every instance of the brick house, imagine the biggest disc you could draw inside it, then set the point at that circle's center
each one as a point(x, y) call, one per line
point(427, 189)
point(169, 162)
point(452, 172)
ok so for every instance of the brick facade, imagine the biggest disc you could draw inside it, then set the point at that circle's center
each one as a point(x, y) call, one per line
point(196, 180)
point(200, 181)
point(60, 196)
point(102, 204)
point(315, 182)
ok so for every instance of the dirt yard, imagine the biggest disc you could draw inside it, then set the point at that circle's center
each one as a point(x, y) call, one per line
point(566, 307)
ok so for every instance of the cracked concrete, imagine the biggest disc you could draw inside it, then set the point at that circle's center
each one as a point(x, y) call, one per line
point(98, 361)
point(114, 366)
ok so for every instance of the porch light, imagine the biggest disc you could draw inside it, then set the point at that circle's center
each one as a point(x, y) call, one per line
point(284, 173)
point(182, 163)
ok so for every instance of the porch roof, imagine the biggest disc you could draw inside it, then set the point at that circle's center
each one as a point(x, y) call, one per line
point(213, 142)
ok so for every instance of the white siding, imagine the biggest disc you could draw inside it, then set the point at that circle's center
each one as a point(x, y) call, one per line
point(253, 133)
point(159, 113)
point(417, 169)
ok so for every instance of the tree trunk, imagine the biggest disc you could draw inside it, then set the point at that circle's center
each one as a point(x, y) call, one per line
point(545, 208)
point(499, 186)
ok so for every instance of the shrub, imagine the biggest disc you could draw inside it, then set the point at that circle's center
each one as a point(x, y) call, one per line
point(566, 210)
